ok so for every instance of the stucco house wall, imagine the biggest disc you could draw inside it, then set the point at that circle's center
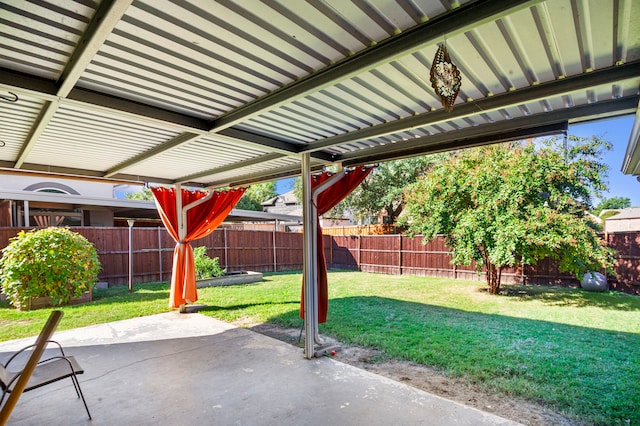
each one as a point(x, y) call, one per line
point(626, 220)
point(13, 211)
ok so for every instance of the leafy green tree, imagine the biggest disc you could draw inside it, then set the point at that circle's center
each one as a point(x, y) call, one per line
point(612, 203)
point(255, 195)
point(145, 195)
point(511, 204)
point(383, 189)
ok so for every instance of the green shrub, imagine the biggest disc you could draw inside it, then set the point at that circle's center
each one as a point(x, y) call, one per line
point(206, 267)
point(54, 262)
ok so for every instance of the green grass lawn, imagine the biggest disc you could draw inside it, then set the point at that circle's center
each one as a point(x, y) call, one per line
point(108, 305)
point(575, 351)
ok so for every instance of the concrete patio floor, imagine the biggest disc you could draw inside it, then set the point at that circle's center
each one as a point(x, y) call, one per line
point(177, 369)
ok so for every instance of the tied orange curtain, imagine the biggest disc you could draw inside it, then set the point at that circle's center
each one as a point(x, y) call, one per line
point(202, 220)
point(327, 200)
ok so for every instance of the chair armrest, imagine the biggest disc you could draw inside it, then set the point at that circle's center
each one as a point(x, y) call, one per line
point(69, 360)
point(15, 355)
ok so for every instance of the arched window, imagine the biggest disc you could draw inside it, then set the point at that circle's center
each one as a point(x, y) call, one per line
point(51, 214)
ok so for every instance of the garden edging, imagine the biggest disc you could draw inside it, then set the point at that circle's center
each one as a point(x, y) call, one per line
point(246, 277)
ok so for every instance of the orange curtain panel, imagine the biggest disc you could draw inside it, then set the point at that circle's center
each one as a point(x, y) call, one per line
point(201, 220)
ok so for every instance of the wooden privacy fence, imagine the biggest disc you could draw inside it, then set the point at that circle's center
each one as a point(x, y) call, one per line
point(267, 251)
point(398, 254)
point(152, 249)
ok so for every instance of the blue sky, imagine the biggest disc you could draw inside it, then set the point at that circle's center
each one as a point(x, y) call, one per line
point(616, 131)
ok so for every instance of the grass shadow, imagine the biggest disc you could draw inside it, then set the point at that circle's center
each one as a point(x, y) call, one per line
point(141, 292)
point(574, 297)
point(567, 367)
point(216, 308)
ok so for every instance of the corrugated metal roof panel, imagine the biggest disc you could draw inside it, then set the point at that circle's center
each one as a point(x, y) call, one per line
point(39, 38)
point(288, 163)
point(16, 122)
point(202, 154)
point(332, 77)
point(75, 136)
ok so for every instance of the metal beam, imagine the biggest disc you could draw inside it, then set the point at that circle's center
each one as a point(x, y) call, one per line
point(104, 20)
point(15, 81)
point(85, 98)
point(230, 167)
point(112, 104)
point(46, 113)
point(503, 100)
point(152, 152)
point(80, 174)
point(108, 104)
point(102, 23)
point(484, 133)
point(631, 161)
point(50, 172)
point(457, 21)
point(234, 136)
point(461, 143)
point(276, 145)
point(264, 176)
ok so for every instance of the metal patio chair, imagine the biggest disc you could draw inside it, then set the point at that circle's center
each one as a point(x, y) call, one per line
point(38, 372)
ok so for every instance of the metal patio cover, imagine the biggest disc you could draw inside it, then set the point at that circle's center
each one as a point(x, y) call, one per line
point(225, 93)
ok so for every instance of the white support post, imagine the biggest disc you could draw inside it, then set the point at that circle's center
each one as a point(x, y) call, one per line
point(310, 264)
point(26, 213)
point(181, 231)
point(181, 234)
point(315, 193)
point(130, 222)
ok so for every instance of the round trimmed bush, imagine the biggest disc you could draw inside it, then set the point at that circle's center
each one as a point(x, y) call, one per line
point(54, 262)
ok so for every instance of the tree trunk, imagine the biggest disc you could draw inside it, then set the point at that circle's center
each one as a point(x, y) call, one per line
point(494, 274)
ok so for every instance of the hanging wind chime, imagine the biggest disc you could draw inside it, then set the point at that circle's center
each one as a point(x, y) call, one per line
point(445, 78)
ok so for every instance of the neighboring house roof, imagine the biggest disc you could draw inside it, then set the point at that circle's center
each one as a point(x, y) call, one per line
point(286, 204)
point(288, 198)
point(626, 220)
point(629, 213)
point(590, 216)
point(132, 208)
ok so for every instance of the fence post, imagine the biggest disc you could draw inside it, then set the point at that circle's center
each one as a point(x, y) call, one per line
point(275, 258)
point(400, 254)
point(358, 259)
point(160, 252)
point(226, 251)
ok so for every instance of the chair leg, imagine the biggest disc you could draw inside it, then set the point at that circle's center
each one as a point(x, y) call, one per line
point(76, 384)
